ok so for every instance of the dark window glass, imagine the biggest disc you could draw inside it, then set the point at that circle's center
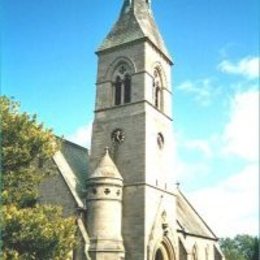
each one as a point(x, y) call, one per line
point(127, 94)
point(118, 90)
point(159, 255)
point(154, 90)
point(157, 97)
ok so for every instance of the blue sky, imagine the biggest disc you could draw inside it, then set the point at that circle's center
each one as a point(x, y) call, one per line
point(49, 65)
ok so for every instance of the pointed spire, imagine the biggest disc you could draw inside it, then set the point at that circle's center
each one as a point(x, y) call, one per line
point(135, 22)
point(106, 168)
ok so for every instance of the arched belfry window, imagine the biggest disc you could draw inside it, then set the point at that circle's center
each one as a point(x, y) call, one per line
point(127, 84)
point(122, 85)
point(157, 90)
point(118, 90)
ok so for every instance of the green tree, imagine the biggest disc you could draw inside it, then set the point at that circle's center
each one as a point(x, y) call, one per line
point(241, 247)
point(29, 230)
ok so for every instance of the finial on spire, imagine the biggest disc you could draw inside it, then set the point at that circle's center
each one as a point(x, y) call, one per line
point(135, 22)
point(106, 150)
point(126, 6)
point(132, 4)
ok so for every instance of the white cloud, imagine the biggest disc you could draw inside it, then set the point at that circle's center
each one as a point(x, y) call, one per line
point(191, 172)
point(202, 90)
point(231, 206)
point(247, 67)
point(82, 135)
point(185, 170)
point(200, 145)
point(241, 134)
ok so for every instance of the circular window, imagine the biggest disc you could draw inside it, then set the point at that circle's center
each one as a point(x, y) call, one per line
point(118, 136)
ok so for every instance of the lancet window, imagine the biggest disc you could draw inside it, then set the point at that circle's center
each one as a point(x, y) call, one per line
point(157, 90)
point(207, 252)
point(118, 90)
point(122, 85)
point(194, 253)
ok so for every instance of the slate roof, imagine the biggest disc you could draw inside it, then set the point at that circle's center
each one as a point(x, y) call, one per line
point(135, 22)
point(72, 162)
point(77, 158)
point(189, 222)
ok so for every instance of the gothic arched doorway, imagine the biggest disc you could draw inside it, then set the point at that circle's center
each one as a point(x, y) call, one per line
point(164, 251)
point(159, 255)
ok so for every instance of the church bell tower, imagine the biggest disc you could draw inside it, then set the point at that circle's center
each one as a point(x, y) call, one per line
point(133, 119)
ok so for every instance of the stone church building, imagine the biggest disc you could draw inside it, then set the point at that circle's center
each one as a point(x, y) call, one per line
point(121, 191)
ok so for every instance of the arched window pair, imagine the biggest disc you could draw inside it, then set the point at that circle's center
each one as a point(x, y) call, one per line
point(157, 90)
point(122, 91)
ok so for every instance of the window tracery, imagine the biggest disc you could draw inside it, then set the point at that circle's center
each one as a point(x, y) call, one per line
point(122, 85)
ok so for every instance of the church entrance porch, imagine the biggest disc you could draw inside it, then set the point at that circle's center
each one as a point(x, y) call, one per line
point(165, 251)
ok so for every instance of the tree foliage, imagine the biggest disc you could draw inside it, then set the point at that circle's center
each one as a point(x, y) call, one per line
point(241, 247)
point(36, 233)
point(29, 230)
point(25, 144)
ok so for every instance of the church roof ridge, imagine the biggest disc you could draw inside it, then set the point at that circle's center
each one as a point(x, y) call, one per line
point(135, 22)
point(106, 168)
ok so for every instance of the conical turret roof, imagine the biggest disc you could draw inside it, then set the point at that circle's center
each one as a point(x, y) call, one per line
point(135, 22)
point(106, 168)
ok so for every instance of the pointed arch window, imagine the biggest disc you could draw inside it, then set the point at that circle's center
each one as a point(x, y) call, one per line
point(123, 85)
point(157, 90)
point(157, 96)
point(127, 85)
point(118, 91)
point(207, 252)
point(194, 253)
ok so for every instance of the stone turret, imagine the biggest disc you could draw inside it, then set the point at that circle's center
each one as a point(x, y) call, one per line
point(104, 211)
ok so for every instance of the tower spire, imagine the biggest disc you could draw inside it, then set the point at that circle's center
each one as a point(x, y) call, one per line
point(135, 22)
